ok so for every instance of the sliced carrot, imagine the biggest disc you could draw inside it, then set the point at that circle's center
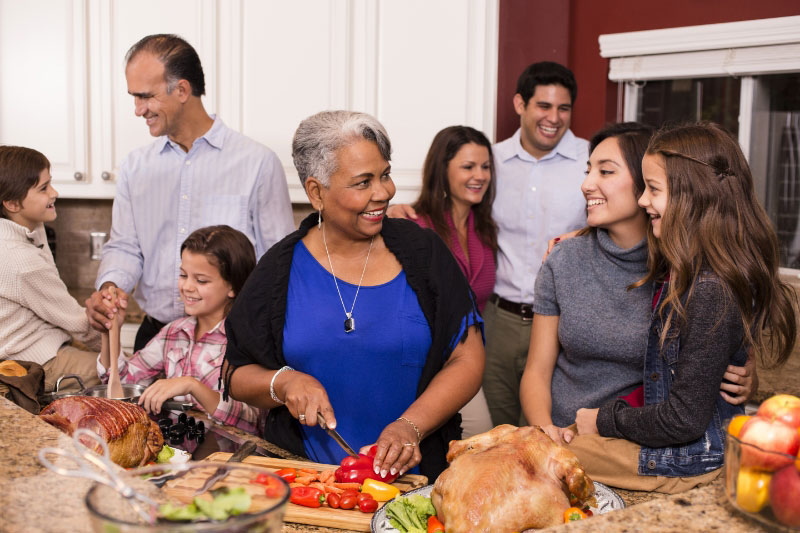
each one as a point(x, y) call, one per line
point(308, 471)
point(304, 480)
point(325, 475)
point(318, 485)
point(332, 489)
point(345, 486)
point(295, 484)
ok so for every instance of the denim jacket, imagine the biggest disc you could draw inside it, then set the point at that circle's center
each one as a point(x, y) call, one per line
point(668, 426)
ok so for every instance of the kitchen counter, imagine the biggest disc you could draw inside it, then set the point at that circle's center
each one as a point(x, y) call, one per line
point(34, 499)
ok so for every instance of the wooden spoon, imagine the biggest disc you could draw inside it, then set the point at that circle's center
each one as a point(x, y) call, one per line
point(114, 389)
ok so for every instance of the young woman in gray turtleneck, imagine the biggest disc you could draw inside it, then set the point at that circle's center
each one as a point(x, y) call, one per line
point(590, 330)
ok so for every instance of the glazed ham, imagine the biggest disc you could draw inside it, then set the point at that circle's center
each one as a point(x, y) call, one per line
point(508, 479)
point(133, 439)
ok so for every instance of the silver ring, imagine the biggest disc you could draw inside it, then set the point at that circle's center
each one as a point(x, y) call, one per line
point(301, 418)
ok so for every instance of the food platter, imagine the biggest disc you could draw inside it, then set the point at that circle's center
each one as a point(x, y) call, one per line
point(607, 500)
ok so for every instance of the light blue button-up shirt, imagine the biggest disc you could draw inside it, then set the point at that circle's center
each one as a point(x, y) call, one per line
point(536, 200)
point(164, 193)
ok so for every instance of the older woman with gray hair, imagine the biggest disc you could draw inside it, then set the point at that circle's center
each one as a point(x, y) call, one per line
point(366, 321)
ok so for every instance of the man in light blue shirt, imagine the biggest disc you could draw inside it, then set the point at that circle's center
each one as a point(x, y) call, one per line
point(539, 174)
point(197, 173)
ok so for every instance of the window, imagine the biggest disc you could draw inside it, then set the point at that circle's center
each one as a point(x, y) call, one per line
point(742, 75)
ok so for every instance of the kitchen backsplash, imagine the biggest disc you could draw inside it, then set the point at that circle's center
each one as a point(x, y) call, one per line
point(77, 219)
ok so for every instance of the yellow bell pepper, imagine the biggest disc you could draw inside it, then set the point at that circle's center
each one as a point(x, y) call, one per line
point(752, 489)
point(382, 492)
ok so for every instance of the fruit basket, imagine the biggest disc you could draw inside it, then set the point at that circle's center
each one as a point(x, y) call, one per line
point(762, 483)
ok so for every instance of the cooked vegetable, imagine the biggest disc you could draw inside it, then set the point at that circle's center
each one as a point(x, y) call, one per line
point(307, 496)
point(410, 514)
point(382, 492)
point(225, 502)
point(435, 525)
point(574, 514)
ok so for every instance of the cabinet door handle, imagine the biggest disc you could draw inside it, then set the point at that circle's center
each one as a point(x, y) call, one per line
point(106, 175)
point(78, 176)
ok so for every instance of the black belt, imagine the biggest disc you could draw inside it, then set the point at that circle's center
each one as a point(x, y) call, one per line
point(525, 311)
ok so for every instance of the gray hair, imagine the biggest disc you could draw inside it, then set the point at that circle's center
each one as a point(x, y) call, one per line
point(320, 136)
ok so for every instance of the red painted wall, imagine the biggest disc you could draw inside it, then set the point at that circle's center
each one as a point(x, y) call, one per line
point(566, 31)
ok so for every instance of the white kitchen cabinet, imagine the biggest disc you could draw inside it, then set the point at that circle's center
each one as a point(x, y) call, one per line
point(43, 83)
point(416, 65)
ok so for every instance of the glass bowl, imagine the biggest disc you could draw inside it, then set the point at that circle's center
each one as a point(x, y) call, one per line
point(110, 512)
point(747, 487)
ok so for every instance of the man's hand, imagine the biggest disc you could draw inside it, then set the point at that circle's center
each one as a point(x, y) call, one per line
point(102, 305)
point(401, 211)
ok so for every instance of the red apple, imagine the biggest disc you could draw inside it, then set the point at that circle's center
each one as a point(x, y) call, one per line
point(769, 436)
point(784, 495)
point(783, 407)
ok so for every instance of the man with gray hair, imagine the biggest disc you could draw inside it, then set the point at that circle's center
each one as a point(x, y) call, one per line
point(197, 173)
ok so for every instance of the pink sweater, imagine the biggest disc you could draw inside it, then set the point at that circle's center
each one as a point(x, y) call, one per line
point(480, 269)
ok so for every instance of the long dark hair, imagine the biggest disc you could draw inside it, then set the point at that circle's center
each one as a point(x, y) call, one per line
point(714, 221)
point(434, 198)
point(19, 172)
point(227, 249)
point(632, 138)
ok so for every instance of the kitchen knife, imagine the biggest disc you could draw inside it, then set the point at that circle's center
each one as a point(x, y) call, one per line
point(220, 473)
point(338, 438)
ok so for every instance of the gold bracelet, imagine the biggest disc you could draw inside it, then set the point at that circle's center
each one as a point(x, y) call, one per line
point(413, 425)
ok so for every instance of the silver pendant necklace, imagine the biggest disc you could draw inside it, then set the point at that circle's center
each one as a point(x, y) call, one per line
point(349, 322)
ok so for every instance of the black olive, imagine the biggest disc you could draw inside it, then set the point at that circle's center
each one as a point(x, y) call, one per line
point(200, 427)
point(191, 422)
point(182, 418)
point(164, 423)
point(191, 434)
point(200, 438)
point(177, 430)
point(176, 441)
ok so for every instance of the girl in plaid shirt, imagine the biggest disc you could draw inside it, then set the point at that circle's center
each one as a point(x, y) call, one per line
point(215, 262)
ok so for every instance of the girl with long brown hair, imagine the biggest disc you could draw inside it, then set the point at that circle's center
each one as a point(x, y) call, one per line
point(713, 258)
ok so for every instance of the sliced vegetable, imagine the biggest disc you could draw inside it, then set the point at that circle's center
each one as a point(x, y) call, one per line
point(287, 474)
point(165, 454)
point(367, 505)
point(307, 496)
point(382, 492)
point(357, 469)
point(435, 525)
point(573, 514)
point(225, 502)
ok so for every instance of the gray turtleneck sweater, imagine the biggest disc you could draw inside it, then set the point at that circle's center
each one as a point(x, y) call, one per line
point(602, 328)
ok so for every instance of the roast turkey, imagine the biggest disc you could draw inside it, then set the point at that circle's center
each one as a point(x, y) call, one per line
point(133, 439)
point(508, 479)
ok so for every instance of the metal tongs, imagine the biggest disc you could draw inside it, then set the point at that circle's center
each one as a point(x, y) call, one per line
point(84, 460)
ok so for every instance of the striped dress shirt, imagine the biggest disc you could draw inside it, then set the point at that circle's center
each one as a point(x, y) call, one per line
point(173, 352)
point(164, 193)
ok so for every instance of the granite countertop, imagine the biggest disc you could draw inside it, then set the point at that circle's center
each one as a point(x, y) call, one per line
point(34, 499)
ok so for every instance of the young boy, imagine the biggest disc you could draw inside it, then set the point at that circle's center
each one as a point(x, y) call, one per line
point(38, 317)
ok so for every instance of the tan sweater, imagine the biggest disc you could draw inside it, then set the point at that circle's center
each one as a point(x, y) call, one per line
point(37, 314)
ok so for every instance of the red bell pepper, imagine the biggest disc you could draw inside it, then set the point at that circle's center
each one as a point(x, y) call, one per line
point(356, 470)
point(287, 474)
point(307, 496)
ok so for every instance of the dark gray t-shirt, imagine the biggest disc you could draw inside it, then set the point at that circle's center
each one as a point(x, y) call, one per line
point(602, 326)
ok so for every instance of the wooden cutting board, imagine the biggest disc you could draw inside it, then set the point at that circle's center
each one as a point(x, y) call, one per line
point(184, 487)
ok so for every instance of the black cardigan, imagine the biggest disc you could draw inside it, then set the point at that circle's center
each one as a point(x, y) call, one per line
point(254, 326)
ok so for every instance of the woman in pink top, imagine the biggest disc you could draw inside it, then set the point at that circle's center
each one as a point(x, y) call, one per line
point(456, 202)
